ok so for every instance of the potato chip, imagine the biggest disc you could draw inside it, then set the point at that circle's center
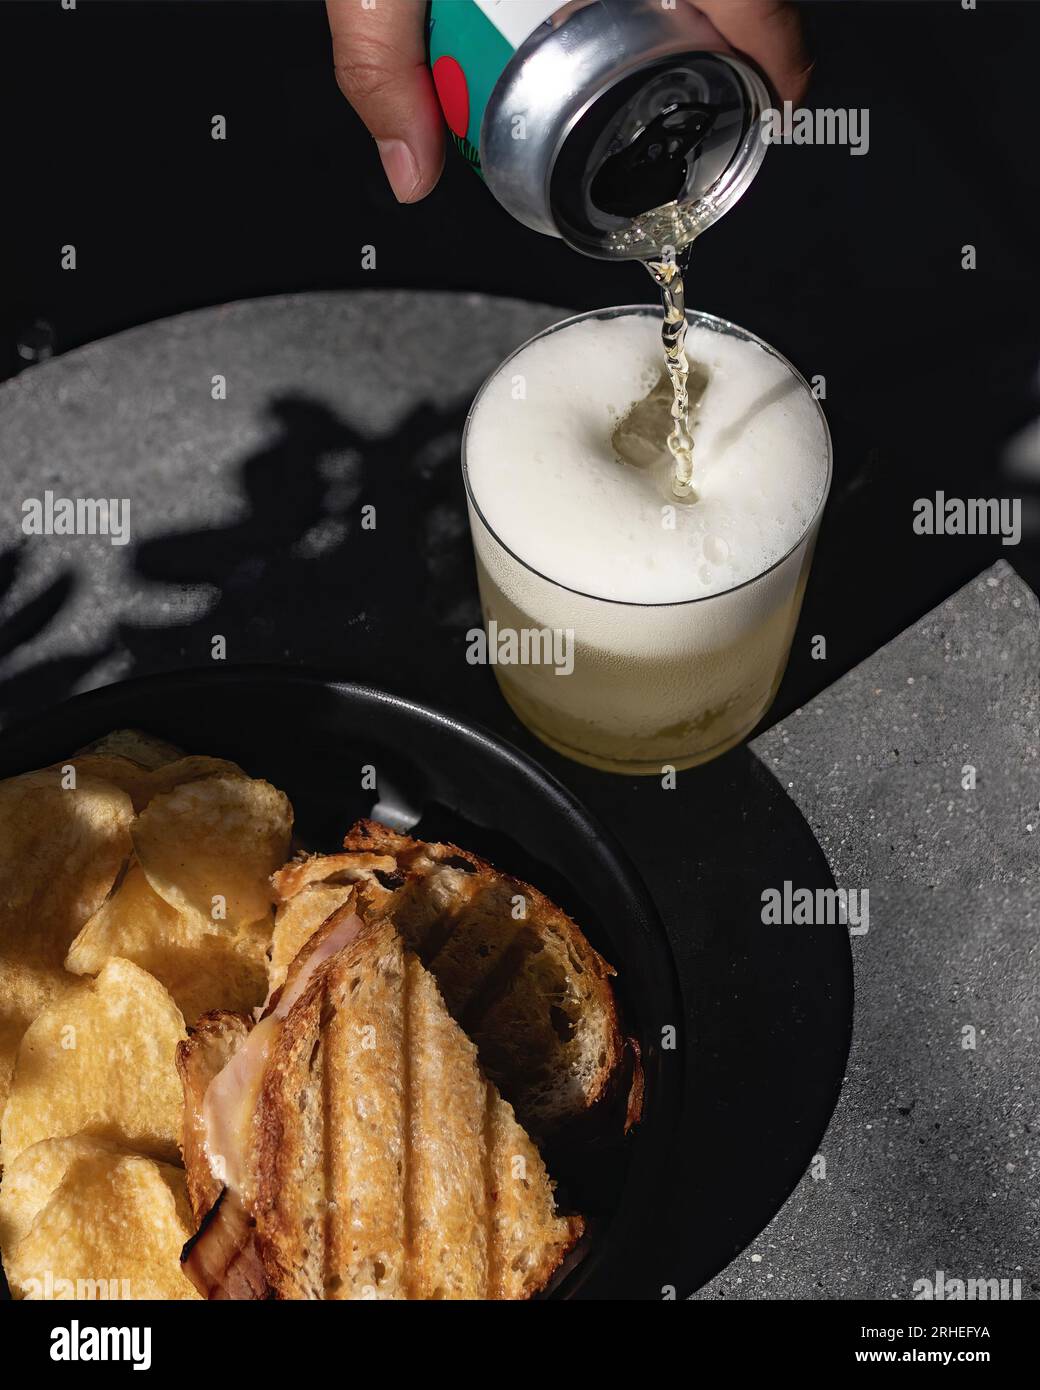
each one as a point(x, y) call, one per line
point(128, 776)
point(60, 852)
point(209, 847)
point(192, 769)
point(141, 784)
point(201, 965)
point(100, 1059)
point(35, 1175)
point(113, 1229)
point(144, 749)
point(296, 922)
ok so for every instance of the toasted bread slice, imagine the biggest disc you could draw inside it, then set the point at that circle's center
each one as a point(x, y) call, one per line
point(448, 1193)
point(514, 970)
point(367, 1038)
point(526, 1243)
point(309, 890)
point(330, 1206)
point(387, 1165)
point(291, 1207)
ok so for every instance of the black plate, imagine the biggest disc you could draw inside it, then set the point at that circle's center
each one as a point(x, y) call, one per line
point(761, 1016)
point(313, 738)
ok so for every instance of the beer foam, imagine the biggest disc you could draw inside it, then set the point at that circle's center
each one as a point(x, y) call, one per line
point(545, 476)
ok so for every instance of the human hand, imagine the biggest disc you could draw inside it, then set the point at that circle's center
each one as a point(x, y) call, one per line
point(770, 33)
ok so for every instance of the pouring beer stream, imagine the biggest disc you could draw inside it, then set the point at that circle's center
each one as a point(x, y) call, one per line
point(668, 275)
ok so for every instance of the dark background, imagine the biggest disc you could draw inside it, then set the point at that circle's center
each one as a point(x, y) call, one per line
point(849, 265)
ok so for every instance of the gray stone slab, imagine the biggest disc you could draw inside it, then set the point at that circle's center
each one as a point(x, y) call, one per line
point(133, 416)
point(933, 1155)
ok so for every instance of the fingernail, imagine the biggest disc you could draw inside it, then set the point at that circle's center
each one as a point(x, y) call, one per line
point(401, 167)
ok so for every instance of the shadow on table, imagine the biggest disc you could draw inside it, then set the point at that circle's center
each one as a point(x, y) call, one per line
point(345, 545)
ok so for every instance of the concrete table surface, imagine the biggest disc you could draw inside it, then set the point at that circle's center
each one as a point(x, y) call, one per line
point(932, 1159)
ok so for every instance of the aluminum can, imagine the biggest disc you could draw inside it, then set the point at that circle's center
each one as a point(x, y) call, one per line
point(623, 126)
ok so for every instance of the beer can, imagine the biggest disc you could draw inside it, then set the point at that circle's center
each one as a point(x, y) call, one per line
point(623, 126)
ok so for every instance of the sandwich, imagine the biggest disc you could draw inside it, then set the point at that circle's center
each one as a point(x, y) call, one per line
point(348, 1145)
point(514, 971)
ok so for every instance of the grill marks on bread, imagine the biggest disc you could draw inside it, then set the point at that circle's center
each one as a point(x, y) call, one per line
point(366, 1034)
point(375, 1119)
point(513, 969)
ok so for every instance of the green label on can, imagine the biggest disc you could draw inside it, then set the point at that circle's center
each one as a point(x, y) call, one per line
point(470, 43)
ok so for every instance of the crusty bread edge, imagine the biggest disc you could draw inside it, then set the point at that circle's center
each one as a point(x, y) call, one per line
point(372, 836)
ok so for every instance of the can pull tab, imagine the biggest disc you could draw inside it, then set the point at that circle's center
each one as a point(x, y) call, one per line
point(653, 167)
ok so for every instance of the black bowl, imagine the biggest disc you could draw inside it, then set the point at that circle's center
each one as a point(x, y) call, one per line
point(313, 737)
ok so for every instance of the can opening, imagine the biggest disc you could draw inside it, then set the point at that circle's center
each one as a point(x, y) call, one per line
point(662, 141)
point(652, 168)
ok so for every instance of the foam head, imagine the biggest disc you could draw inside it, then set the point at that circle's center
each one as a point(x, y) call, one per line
point(546, 475)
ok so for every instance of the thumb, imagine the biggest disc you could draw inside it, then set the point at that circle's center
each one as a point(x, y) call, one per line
point(380, 59)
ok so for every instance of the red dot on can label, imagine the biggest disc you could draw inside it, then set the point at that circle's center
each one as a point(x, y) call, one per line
point(453, 93)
